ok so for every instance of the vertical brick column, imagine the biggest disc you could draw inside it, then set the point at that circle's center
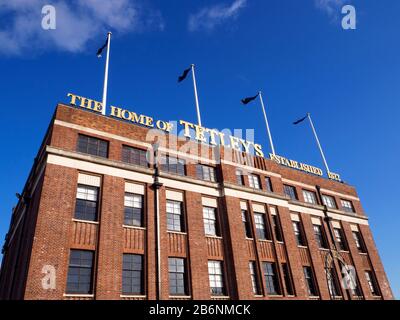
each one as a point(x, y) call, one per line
point(110, 244)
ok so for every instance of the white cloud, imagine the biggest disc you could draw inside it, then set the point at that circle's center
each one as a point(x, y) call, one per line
point(331, 7)
point(78, 22)
point(208, 18)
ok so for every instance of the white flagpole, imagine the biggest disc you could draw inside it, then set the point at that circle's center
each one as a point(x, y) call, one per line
point(318, 143)
point(195, 96)
point(266, 123)
point(106, 74)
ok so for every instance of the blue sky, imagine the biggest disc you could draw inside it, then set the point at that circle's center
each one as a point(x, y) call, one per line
point(295, 51)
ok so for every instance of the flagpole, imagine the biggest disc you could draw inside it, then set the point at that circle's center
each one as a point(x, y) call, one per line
point(318, 143)
point(106, 74)
point(195, 96)
point(266, 123)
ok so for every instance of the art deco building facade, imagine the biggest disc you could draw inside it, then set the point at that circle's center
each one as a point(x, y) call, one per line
point(96, 221)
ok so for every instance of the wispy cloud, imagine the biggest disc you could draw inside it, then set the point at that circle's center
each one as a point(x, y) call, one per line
point(77, 23)
point(210, 17)
point(331, 7)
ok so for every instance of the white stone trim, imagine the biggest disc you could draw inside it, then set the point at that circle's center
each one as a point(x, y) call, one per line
point(209, 202)
point(89, 180)
point(316, 221)
point(336, 225)
point(174, 195)
point(243, 205)
point(259, 208)
point(354, 227)
point(294, 217)
point(134, 188)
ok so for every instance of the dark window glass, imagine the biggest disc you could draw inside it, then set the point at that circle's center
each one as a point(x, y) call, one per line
point(276, 226)
point(133, 211)
point(347, 206)
point(268, 184)
point(356, 291)
point(298, 232)
point(371, 280)
point(93, 146)
point(132, 274)
point(205, 173)
point(309, 277)
point(239, 177)
point(254, 279)
point(177, 276)
point(288, 279)
point(340, 240)
point(210, 221)
point(172, 165)
point(271, 278)
point(320, 236)
point(246, 223)
point(333, 284)
point(359, 242)
point(80, 272)
point(262, 232)
point(216, 278)
point(86, 203)
point(290, 191)
point(174, 216)
point(329, 201)
point(310, 197)
point(134, 156)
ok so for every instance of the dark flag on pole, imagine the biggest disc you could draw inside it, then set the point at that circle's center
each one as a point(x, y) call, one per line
point(101, 49)
point(249, 99)
point(300, 120)
point(184, 75)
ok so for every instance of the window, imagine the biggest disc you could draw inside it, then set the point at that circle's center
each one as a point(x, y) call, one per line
point(288, 280)
point(373, 287)
point(359, 242)
point(329, 201)
point(333, 285)
point(298, 232)
point(210, 221)
point(347, 206)
point(134, 156)
point(246, 223)
point(254, 181)
point(93, 146)
point(259, 221)
point(290, 191)
point(132, 274)
point(239, 177)
point(356, 291)
point(86, 203)
point(320, 236)
point(309, 277)
point(80, 272)
point(268, 184)
point(341, 242)
point(216, 278)
point(205, 173)
point(310, 197)
point(172, 165)
point(254, 279)
point(277, 228)
point(133, 212)
point(271, 278)
point(174, 216)
point(177, 276)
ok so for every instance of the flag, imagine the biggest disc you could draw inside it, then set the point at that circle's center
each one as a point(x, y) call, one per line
point(184, 75)
point(101, 49)
point(300, 120)
point(249, 99)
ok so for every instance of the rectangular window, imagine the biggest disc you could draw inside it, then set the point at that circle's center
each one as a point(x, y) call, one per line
point(310, 197)
point(254, 181)
point(298, 232)
point(92, 146)
point(373, 287)
point(172, 165)
point(309, 277)
point(132, 274)
point(333, 284)
point(340, 240)
point(205, 173)
point(80, 272)
point(133, 211)
point(359, 242)
point(288, 279)
point(290, 191)
point(86, 203)
point(175, 216)
point(329, 201)
point(347, 206)
point(276, 226)
point(216, 278)
point(254, 279)
point(210, 221)
point(177, 276)
point(134, 156)
point(320, 236)
point(268, 184)
point(271, 278)
point(262, 233)
point(246, 223)
point(239, 177)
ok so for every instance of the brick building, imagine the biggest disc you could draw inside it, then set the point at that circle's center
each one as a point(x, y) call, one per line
point(96, 221)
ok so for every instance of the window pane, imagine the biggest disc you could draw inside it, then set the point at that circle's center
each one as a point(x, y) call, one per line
point(92, 146)
point(177, 277)
point(290, 192)
point(86, 203)
point(132, 274)
point(271, 278)
point(216, 278)
point(134, 156)
point(79, 279)
point(174, 216)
